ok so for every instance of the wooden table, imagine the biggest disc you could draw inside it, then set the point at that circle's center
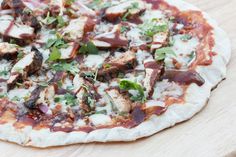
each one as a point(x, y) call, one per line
point(210, 133)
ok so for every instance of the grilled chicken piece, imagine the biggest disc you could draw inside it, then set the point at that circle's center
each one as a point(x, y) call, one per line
point(28, 65)
point(112, 68)
point(8, 51)
point(78, 27)
point(112, 39)
point(159, 40)
point(41, 95)
point(120, 103)
point(127, 8)
point(153, 70)
point(12, 29)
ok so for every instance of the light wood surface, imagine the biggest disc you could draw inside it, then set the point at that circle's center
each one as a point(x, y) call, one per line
point(210, 133)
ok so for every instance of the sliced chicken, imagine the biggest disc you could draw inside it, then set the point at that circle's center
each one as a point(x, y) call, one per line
point(112, 39)
point(153, 72)
point(28, 65)
point(78, 27)
point(8, 51)
point(120, 103)
point(112, 68)
point(41, 95)
point(12, 29)
point(127, 8)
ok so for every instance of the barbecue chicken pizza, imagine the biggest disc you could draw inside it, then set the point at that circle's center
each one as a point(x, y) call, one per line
point(79, 71)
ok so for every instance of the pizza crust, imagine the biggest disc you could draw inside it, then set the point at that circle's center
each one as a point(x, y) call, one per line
point(196, 99)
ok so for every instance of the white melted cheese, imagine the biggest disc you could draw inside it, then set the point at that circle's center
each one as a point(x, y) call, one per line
point(19, 94)
point(153, 103)
point(135, 37)
point(141, 56)
point(5, 66)
point(45, 35)
point(165, 88)
point(100, 119)
point(152, 14)
point(183, 50)
point(94, 61)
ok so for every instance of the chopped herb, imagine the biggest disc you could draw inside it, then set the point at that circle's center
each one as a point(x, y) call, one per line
point(69, 2)
point(88, 48)
point(63, 66)
point(123, 29)
point(161, 53)
point(60, 21)
point(43, 84)
point(4, 72)
point(129, 85)
point(186, 37)
point(49, 19)
point(150, 28)
point(57, 99)
point(55, 54)
point(58, 43)
point(2, 96)
point(20, 55)
point(90, 75)
point(70, 99)
point(107, 66)
point(15, 98)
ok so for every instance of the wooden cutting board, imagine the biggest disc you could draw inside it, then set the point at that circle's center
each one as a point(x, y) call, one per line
point(210, 133)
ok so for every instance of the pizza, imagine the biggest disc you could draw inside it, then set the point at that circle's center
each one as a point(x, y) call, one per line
point(79, 71)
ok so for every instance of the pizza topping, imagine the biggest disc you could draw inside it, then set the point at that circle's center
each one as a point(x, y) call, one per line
point(111, 39)
point(183, 77)
point(153, 72)
point(120, 102)
point(28, 65)
point(78, 27)
point(13, 29)
point(138, 95)
point(114, 66)
point(124, 10)
point(8, 51)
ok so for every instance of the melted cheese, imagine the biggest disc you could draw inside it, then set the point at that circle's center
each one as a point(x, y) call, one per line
point(183, 50)
point(100, 119)
point(165, 88)
point(94, 61)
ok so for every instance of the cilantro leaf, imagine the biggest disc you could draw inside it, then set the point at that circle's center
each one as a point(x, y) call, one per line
point(186, 37)
point(88, 48)
point(63, 66)
point(129, 85)
point(161, 53)
point(150, 28)
point(55, 54)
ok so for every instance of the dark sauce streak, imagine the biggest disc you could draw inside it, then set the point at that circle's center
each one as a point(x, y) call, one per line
point(184, 77)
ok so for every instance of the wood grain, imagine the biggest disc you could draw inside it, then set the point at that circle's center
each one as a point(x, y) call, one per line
point(211, 133)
